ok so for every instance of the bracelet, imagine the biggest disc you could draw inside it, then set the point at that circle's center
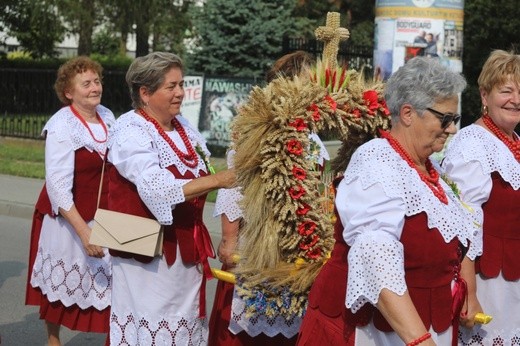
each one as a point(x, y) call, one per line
point(419, 340)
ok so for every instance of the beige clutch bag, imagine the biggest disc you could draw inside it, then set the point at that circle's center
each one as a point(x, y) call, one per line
point(125, 232)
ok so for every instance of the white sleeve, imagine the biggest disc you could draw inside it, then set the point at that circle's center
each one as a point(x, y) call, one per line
point(475, 187)
point(227, 202)
point(59, 171)
point(157, 187)
point(373, 224)
point(323, 155)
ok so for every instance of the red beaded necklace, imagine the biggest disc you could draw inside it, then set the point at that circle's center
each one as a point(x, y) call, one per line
point(512, 144)
point(84, 122)
point(190, 158)
point(432, 179)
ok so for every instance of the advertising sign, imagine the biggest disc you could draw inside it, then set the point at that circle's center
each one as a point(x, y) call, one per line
point(407, 28)
point(190, 108)
point(221, 99)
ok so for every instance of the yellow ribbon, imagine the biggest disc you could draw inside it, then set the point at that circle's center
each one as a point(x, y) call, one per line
point(482, 318)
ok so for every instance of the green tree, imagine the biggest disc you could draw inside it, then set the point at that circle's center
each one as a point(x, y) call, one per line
point(81, 18)
point(167, 34)
point(119, 18)
point(356, 15)
point(105, 42)
point(240, 38)
point(488, 25)
point(34, 24)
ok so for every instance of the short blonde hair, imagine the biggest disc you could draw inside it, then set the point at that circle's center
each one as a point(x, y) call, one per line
point(69, 70)
point(500, 67)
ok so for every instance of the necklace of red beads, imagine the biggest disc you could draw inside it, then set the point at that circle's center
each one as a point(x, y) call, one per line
point(84, 122)
point(190, 159)
point(512, 144)
point(431, 180)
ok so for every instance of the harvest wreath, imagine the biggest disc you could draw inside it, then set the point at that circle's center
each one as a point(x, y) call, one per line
point(287, 234)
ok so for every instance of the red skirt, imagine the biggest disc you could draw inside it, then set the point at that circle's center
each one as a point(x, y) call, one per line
point(72, 317)
point(319, 329)
point(220, 335)
point(33, 295)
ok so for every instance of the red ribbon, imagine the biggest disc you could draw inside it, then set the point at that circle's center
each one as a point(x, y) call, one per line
point(205, 249)
point(459, 293)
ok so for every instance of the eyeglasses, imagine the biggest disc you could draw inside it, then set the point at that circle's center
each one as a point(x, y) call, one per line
point(445, 118)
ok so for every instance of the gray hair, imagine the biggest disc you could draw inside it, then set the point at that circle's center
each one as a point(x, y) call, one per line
point(421, 82)
point(148, 71)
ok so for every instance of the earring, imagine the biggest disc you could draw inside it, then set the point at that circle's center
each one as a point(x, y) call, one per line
point(484, 110)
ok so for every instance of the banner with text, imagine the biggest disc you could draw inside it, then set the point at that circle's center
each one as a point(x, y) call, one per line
point(220, 101)
point(407, 28)
point(190, 108)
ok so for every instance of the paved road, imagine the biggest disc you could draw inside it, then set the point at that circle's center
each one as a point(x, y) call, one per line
point(19, 324)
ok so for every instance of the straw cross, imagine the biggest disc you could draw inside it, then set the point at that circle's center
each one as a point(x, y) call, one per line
point(331, 34)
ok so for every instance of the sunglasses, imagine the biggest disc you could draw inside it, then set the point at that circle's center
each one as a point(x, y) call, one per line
point(446, 118)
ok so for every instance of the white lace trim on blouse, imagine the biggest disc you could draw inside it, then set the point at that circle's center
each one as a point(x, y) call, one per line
point(378, 191)
point(141, 155)
point(475, 143)
point(64, 135)
point(472, 155)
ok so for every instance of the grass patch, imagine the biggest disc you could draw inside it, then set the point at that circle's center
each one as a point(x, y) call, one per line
point(22, 157)
point(26, 158)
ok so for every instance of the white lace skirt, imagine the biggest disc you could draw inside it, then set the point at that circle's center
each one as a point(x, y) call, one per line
point(500, 299)
point(260, 323)
point(370, 335)
point(154, 304)
point(63, 271)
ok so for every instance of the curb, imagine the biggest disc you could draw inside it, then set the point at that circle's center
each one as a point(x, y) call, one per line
point(14, 209)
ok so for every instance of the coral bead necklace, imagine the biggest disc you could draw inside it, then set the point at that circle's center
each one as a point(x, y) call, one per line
point(431, 180)
point(84, 122)
point(190, 158)
point(512, 144)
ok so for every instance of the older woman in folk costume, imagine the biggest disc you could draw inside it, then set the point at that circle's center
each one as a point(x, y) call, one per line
point(483, 160)
point(401, 231)
point(69, 278)
point(160, 171)
point(228, 323)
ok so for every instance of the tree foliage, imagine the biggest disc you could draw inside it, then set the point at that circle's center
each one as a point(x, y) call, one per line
point(488, 25)
point(240, 38)
point(33, 23)
point(81, 17)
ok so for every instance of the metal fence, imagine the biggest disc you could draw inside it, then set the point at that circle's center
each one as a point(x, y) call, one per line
point(355, 57)
point(27, 99)
point(30, 91)
point(17, 125)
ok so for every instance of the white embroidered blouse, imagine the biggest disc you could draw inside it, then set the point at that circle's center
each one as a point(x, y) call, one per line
point(472, 155)
point(379, 189)
point(141, 156)
point(65, 133)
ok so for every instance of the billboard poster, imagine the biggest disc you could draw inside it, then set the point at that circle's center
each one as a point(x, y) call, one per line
point(408, 28)
point(222, 96)
point(190, 108)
